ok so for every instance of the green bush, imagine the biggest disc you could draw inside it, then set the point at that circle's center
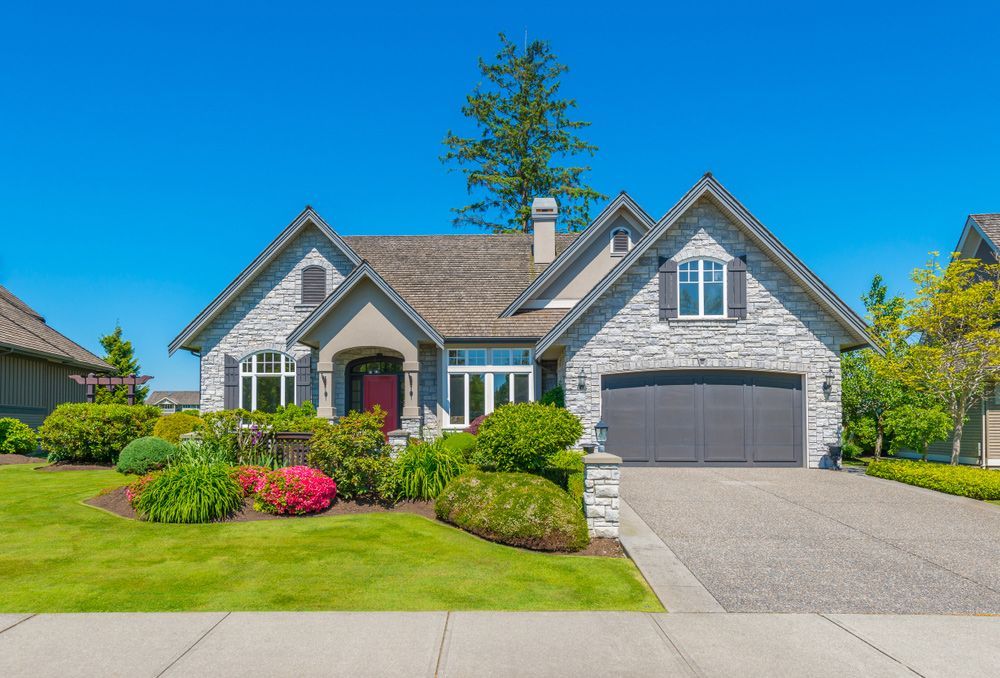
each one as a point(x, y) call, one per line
point(195, 493)
point(965, 481)
point(851, 450)
point(525, 436)
point(246, 436)
point(146, 454)
point(461, 442)
point(565, 469)
point(354, 453)
point(172, 426)
point(422, 470)
point(191, 452)
point(87, 432)
point(554, 396)
point(16, 437)
point(518, 509)
point(297, 418)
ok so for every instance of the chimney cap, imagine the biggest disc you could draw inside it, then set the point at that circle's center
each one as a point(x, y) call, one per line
point(546, 206)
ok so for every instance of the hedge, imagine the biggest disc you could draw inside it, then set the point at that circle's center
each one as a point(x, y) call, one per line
point(172, 426)
point(965, 481)
point(16, 437)
point(94, 433)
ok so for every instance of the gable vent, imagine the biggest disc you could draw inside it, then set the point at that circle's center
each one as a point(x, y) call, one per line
point(313, 285)
point(619, 242)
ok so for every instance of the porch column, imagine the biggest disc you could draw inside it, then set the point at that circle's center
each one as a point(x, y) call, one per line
point(411, 389)
point(324, 408)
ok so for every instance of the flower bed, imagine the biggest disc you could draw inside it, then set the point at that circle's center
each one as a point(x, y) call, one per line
point(295, 490)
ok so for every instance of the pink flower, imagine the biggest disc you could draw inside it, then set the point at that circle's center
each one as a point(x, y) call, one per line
point(295, 490)
point(251, 478)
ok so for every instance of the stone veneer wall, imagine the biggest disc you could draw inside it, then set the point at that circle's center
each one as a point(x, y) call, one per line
point(785, 329)
point(265, 313)
point(430, 370)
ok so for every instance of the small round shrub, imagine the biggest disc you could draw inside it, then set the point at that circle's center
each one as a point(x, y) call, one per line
point(422, 470)
point(463, 443)
point(16, 437)
point(295, 490)
point(518, 509)
point(146, 454)
point(198, 493)
point(173, 426)
point(525, 436)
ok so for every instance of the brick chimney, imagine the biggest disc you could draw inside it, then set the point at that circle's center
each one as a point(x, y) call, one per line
point(544, 212)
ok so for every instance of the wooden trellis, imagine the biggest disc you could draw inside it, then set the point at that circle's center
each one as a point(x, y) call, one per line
point(92, 381)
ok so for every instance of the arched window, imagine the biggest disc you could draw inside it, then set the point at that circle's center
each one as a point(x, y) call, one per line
point(620, 241)
point(701, 288)
point(313, 285)
point(267, 381)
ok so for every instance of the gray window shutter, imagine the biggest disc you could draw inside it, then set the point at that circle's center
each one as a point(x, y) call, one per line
point(231, 384)
point(668, 289)
point(313, 285)
point(737, 285)
point(303, 380)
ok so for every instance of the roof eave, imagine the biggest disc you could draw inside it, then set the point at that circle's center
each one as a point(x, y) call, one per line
point(54, 358)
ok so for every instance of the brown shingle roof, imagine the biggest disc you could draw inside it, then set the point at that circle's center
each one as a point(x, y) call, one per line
point(178, 397)
point(23, 329)
point(990, 223)
point(461, 283)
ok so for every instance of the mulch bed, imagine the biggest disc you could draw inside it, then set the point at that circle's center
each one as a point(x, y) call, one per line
point(6, 459)
point(115, 502)
point(70, 466)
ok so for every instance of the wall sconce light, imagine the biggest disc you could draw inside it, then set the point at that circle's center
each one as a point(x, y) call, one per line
point(828, 383)
point(601, 434)
point(581, 382)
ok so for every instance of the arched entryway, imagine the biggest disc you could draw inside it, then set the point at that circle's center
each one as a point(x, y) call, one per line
point(375, 380)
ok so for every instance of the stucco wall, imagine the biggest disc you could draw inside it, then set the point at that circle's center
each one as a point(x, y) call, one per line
point(785, 329)
point(266, 312)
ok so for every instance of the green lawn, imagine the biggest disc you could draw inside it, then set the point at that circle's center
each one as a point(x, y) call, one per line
point(58, 555)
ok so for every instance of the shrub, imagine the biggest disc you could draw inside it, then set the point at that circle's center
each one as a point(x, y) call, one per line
point(565, 469)
point(295, 490)
point(519, 509)
point(146, 454)
point(913, 427)
point(95, 433)
point(136, 488)
point(461, 442)
point(851, 450)
point(525, 436)
point(298, 418)
point(172, 426)
point(246, 436)
point(554, 396)
point(192, 452)
point(354, 453)
point(965, 481)
point(250, 478)
point(473, 427)
point(197, 493)
point(16, 437)
point(423, 469)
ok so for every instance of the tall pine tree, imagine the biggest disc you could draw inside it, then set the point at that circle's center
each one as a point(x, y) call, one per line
point(120, 355)
point(524, 134)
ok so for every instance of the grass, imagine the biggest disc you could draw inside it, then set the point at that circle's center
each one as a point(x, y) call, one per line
point(964, 481)
point(59, 555)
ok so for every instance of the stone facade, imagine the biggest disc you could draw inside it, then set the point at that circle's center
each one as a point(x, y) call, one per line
point(785, 329)
point(601, 481)
point(430, 371)
point(263, 315)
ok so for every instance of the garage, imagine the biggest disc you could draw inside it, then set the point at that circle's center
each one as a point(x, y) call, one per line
point(704, 418)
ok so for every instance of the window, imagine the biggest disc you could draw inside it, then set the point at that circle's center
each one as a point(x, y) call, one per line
point(620, 241)
point(481, 380)
point(267, 381)
point(313, 285)
point(701, 288)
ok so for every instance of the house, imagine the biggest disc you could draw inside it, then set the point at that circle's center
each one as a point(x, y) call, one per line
point(980, 444)
point(174, 401)
point(35, 363)
point(698, 338)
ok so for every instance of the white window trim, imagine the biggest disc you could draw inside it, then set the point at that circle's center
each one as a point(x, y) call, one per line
point(488, 371)
point(611, 244)
point(254, 374)
point(701, 289)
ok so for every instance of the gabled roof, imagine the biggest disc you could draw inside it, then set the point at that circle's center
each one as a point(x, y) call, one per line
point(986, 225)
point(176, 397)
point(307, 217)
point(23, 330)
point(362, 272)
point(623, 202)
point(709, 186)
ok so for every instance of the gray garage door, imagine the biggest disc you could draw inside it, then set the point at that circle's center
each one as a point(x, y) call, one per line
point(694, 418)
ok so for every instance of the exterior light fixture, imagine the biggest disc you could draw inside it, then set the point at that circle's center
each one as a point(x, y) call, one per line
point(828, 383)
point(581, 382)
point(601, 434)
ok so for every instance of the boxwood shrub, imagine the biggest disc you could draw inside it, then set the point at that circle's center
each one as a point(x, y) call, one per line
point(965, 481)
point(184, 493)
point(87, 432)
point(172, 426)
point(16, 437)
point(525, 437)
point(354, 453)
point(518, 509)
point(145, 454)
point(461, 442)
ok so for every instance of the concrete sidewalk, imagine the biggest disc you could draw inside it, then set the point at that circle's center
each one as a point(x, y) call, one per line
point(496, 644)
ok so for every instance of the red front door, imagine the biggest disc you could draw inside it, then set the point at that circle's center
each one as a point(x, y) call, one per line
point(382, 390)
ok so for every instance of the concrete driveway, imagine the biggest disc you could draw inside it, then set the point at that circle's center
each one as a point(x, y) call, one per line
point(797, 540)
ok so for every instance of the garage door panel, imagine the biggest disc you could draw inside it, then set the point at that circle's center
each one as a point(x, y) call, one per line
point(724, 411)
point(674, 437)
point(777, 415)
point(624, 408)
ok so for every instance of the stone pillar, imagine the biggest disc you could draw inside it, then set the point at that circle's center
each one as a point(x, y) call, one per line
point(398, 440)
point(601, 478)
point(411, 397)
point(325, 406)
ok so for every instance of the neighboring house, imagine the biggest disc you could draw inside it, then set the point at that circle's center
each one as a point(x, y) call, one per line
point(174, 401)
point(981, 433)
point(35, 364)
point(698, 338)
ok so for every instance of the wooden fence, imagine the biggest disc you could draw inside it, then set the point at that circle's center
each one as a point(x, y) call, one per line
point(291, 449)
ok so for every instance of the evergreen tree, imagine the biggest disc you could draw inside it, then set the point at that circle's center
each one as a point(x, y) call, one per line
point(120, 355)
point(525, 132)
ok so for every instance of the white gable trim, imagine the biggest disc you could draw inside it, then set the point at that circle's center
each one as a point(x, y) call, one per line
point(708, 185)
point(970, 225)
point(624, 202)
point(306, 217)
point(363, 271)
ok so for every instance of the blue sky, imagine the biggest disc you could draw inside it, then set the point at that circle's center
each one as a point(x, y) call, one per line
point(149, 151)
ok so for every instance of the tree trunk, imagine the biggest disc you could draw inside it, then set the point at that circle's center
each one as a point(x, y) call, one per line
point(956, 441)
point(879, 436)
